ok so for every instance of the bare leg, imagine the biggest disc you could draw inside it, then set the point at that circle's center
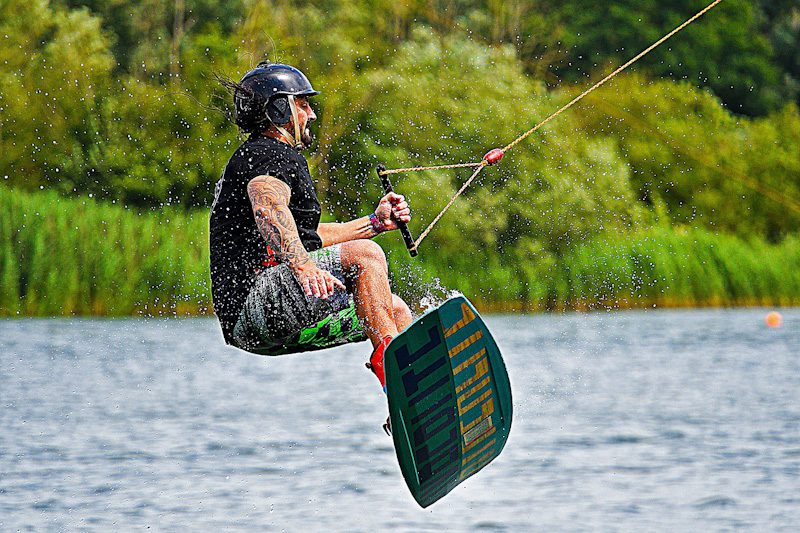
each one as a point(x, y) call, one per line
point(401, 313)
point(367, 277)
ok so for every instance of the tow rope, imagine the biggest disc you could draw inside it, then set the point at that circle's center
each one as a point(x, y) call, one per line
point(494, 156)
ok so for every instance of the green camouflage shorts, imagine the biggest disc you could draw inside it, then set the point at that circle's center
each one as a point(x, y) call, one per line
point(279, 318)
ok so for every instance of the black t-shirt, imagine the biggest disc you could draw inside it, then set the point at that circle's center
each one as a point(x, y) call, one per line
point(238, 251)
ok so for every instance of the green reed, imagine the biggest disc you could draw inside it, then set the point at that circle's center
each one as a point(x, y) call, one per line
point(674, 268)
point(63, 257)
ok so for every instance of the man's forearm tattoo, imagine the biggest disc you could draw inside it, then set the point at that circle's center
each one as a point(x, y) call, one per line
point(270, 199)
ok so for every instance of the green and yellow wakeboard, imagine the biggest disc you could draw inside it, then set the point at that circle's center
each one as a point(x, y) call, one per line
point(449, 399)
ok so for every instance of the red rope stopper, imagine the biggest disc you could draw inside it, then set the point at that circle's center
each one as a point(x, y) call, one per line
point(493, 156)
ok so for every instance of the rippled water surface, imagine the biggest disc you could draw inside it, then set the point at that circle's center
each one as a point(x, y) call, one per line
point(659, 420)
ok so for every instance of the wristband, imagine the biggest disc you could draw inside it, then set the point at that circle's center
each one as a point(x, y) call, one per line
point(377, 225)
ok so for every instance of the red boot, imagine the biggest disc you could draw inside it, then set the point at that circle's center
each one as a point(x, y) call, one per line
point(376, 361)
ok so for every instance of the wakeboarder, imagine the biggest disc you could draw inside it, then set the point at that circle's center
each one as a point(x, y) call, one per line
point(283, 282)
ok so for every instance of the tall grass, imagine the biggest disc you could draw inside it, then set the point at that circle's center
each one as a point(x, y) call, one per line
point(78, 257)
point(672, 268)
point(62, 257)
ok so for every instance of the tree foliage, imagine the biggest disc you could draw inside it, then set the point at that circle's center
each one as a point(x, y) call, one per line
point(726, 50)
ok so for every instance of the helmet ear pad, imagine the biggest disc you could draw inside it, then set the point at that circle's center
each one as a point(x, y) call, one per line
point(278, 110)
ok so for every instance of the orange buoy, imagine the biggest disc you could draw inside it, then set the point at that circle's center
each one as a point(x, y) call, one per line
point(773, 319)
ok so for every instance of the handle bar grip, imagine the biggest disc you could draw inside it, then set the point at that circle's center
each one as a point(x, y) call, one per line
point(409, 240)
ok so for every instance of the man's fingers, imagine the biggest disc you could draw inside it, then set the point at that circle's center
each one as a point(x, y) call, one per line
point(322, 290)
point(325, 285)
point(394, 198)
point(307, 286)
point(314, 282)
point(403, 215)
point(333, 282)
point(321, 284)
point(329, 284)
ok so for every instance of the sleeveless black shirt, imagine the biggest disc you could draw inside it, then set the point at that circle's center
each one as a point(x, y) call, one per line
point(238, 251)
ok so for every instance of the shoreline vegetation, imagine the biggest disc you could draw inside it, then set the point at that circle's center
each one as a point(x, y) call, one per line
point(676, 184)
point(80, 257)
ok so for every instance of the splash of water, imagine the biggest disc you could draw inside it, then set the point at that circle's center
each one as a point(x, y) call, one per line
point(434, 293)
point(421, 295)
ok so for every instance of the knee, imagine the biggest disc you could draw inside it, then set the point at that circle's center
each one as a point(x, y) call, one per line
point(373, 254)
point(401, 313)
point(400, 308)
point(362, 255)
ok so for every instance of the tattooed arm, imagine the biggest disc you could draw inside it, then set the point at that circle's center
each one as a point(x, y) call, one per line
point(270, 199)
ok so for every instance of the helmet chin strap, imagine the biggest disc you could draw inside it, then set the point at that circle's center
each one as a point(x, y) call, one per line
point(295, 140)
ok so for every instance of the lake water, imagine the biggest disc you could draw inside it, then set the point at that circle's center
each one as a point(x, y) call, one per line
point(630, 421)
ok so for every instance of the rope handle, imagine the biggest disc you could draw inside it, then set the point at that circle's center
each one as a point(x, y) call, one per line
point(387, 186)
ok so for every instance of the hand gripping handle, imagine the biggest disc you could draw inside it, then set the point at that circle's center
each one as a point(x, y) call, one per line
point(409, 240)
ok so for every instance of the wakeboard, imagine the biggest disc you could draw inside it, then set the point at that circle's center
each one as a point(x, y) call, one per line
point(449, 399)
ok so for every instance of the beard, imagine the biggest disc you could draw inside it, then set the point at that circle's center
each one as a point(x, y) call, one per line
point(307, 138)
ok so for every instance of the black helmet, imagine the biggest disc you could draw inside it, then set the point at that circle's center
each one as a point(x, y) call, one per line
point(263, 95)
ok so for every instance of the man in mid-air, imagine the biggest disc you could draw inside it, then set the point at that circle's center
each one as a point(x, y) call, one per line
point(282, 281)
